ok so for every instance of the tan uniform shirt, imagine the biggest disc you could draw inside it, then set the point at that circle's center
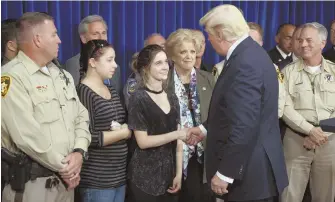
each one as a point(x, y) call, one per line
point(311, 97)
point(41, 115)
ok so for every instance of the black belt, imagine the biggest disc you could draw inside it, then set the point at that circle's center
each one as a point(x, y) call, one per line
point(38, 171)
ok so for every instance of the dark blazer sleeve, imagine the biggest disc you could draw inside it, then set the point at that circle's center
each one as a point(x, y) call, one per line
point(209, 82)
point(243, 104)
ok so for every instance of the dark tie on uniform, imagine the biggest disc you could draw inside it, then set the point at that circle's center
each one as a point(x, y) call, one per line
point(289, 58)
point(285, 62)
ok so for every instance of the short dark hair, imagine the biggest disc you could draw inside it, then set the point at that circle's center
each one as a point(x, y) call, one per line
point(29, 20)
point(282, 26)
point(8, 32)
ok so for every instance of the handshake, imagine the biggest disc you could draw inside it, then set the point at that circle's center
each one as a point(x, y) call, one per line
point(190, 136)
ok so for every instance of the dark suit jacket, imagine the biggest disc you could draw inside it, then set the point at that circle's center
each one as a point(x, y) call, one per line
point(330, 54)
point(275, 56)
point(243, 139)
point(205, 85)
point(72, 66)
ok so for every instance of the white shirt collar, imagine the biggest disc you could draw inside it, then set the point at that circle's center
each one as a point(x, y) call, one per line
point(45, 70)
point(235, 44)
point(282, 52)
point(313, 69)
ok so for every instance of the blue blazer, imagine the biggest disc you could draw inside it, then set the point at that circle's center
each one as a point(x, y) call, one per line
point(243, 139)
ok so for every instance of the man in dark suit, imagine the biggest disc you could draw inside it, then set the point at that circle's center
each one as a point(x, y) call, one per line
point(92, 27)
point(330, 53)
point(244, 156)
point(283, 49)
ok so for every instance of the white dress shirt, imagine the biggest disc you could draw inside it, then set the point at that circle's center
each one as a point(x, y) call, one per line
point(202, 128)
point(284, 55)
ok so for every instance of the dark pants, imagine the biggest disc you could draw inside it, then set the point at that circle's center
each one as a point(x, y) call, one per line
point(193, 189)
point(271, 199)
point(307, 196)
point(137, 195)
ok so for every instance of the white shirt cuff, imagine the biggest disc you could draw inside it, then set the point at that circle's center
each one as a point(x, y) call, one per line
point(224, 178)
point(203, 129)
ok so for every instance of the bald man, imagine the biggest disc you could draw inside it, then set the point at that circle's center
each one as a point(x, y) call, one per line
point(283, 49)
point(155, 39)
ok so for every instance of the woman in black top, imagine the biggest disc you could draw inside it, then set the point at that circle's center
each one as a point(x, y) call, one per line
point(103, 175)
point(155, 169)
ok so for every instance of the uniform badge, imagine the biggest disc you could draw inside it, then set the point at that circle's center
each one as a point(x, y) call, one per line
point(329, 78)
point(42, 88)
point(280, 75)
point(5, 84)
point(131, 86)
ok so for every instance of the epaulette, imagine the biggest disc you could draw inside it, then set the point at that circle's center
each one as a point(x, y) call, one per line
point(9, 66)
point(330, 62)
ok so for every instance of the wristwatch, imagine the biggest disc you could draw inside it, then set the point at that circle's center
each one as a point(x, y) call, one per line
point(82, 152)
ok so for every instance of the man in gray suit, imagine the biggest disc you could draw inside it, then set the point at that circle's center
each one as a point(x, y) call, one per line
point(91, 27)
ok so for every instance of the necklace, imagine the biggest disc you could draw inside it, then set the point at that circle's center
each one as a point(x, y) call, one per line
point(152, 91)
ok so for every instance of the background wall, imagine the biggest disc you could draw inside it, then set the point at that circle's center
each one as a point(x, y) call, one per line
point(130, 22)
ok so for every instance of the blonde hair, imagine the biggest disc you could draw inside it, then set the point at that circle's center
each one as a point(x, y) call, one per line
point(176, 38)
point(226, 22)
point(199, 38)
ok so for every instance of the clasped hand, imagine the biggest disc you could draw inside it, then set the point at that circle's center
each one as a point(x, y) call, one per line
point(316, 138)
point(71, 172)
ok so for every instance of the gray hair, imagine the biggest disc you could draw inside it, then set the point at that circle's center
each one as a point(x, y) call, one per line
point(83, 26)
point(322, 31)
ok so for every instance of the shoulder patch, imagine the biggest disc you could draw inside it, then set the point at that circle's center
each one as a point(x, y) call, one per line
point(131, 86)
point(330, 62)
point(5, 84)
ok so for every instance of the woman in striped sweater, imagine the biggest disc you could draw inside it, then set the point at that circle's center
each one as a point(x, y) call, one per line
point(103, 175)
